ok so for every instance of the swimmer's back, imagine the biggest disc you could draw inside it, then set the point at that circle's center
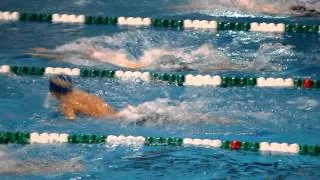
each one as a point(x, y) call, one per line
point(84, 103)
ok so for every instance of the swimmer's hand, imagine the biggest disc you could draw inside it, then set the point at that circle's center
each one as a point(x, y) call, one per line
point(71, 117)
point(68, 111)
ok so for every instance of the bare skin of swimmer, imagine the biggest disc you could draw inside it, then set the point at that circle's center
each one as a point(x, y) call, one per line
point(79, 101)
point(114, 58)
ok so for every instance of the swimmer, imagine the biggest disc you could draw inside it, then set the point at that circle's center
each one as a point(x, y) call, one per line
point(116, 58)
point(254, 6)
point(176, 60)
point(75, 101)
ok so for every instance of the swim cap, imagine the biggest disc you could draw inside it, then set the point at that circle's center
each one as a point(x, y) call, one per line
point(60, 84)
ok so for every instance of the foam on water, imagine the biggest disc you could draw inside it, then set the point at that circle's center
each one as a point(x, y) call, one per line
point(269, 57)
point(304, 103)
point(163, 112)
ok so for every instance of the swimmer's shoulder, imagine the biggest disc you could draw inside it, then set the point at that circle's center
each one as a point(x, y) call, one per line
point(75, 96)
point(85, 96)
point(78, 93)
point(78, 96)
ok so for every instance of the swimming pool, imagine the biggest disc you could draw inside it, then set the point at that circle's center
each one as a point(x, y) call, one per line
point(262, 114)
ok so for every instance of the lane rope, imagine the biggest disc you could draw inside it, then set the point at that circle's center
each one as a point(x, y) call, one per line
point(172, 79)
point(159, 22)
point(58, 138)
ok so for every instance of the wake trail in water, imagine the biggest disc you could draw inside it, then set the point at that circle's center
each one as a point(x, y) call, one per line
point(11, 164)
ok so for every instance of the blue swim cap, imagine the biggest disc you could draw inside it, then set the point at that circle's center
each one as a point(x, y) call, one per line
point(60, 84)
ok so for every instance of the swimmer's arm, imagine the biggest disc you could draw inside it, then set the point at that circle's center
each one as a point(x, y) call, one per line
point(114, 58)
point(44, 53)
point(47, 56)
point(68, 111)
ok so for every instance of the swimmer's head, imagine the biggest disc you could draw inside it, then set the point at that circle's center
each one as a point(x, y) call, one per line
point(60, 84)
point(303, 11)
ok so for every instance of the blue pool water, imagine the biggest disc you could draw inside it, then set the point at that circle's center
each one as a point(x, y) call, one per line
point(274, 115)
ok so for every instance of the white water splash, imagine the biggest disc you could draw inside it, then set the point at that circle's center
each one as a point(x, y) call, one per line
point(48, 101)
point(162, 112)
point(244, 8)
point(304, 103)
point(204, 58)
point(275, 49)
point(271, 55)
point(82, 2)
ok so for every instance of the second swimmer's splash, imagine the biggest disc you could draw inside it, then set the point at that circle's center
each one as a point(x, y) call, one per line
point(203, 59)
point(162, 112)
